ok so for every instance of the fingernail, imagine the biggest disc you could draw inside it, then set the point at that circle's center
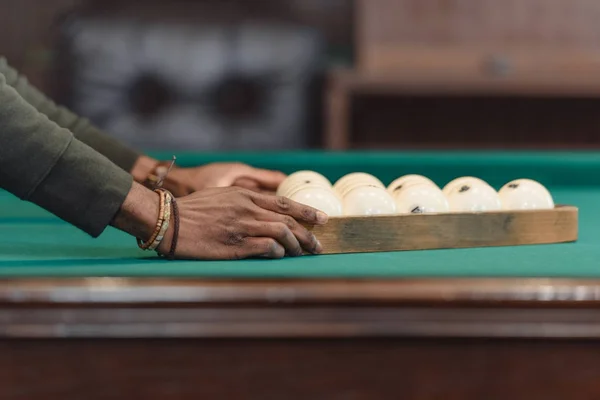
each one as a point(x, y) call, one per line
point(322, 217)
point(318, 247)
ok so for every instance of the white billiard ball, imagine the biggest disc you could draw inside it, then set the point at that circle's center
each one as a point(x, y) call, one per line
point(354, 185)
point(399, 183)
point(293, 187)
point(368, 200)
point(461, 181)
point(318, 197)
point(473, 197)
point(421, 198)
point(355, 179)
point(525, 194)
point(299, 178)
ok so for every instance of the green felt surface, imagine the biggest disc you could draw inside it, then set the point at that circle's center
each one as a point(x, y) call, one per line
point(34, 243)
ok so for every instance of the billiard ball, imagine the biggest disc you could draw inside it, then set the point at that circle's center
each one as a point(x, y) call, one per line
point(460, 181)
point(368, 200)
point(353, 180)
point(318, 197)
point(300, 178)
point(293, 187)
point(473, 197)
point(525, 194)
point(419, 198)
point(398, 183)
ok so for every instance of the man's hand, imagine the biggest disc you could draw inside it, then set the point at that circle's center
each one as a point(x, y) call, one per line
point(226, 223)
point(184, 181)
point(220, 175)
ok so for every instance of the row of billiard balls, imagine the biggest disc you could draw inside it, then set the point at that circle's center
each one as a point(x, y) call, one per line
point(360, 194)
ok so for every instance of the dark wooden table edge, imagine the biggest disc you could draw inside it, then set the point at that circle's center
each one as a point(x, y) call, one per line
point(153, 290)
point(154, 308)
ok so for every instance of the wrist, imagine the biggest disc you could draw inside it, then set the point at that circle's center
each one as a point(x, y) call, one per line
point(138, 213)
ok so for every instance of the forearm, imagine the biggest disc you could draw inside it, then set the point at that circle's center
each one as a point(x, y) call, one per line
point(83, 130)
point(43, 163)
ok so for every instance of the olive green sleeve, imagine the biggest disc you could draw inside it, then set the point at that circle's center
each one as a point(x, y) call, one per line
point(84, 131)
point(45, 164)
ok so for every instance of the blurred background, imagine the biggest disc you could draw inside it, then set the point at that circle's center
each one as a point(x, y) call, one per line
point(336, 74)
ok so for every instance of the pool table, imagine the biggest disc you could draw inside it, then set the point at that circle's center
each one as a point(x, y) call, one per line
point(99, 319)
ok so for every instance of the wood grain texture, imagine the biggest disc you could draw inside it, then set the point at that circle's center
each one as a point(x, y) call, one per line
point(565, 23)
point(449, 230)
point(526, 24)
point(299, 370)
point(297, 322)
point(286, 352)
point(427, 82)
point(487, 61)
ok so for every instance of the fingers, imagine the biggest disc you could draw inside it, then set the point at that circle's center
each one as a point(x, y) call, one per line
point(247, 183)
point(267, 179)
point(291, 235)
point(234, 173)
point(294, 238)
point(234, 223)
point(307, 239)
point(282, 234)
point(282, 205)
point(261, 247)
point(259, 180)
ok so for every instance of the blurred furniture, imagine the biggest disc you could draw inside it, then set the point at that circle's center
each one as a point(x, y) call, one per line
point(208, 86)
point(29, 29)
point(461, 60)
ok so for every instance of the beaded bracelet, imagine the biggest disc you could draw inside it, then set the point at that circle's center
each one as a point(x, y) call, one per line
point(166, 216)
point(171, 255)
point(167, 201)
point(160, 223)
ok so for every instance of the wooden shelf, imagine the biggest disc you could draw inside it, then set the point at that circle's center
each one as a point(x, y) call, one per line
point(412, 83)
point(346, 86)
point(473, 146)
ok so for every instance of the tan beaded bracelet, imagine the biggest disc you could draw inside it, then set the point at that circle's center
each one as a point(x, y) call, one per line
point(165, 224)
point(162, 224)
